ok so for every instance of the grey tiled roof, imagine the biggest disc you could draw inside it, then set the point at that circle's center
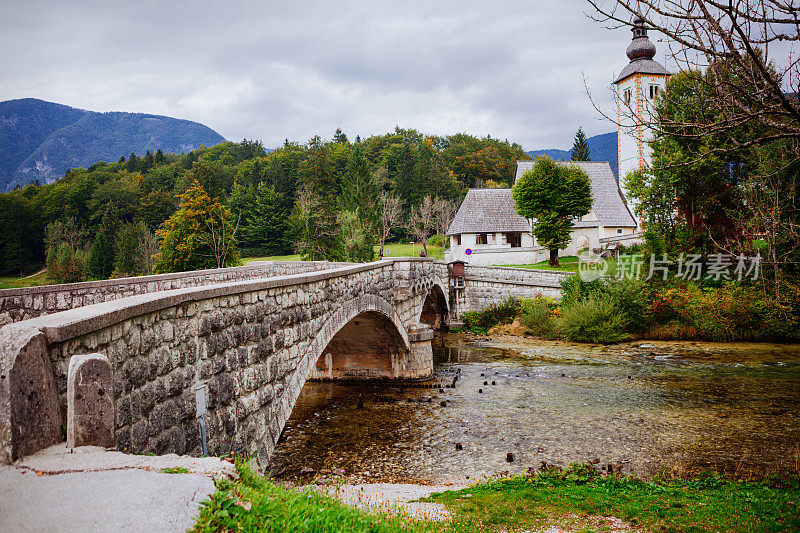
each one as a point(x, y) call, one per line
point(642, 66)
point(492, 210)
point(608, 204)
point(487, 211)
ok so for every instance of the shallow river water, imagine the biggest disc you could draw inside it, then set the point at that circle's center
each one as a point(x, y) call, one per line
point(642, 408)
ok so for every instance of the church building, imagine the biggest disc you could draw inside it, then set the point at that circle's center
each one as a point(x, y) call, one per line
point(487, 229)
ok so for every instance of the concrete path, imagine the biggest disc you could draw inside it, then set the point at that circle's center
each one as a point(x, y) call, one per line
point(92, 489)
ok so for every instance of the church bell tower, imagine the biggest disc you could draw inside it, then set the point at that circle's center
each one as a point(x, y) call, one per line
point(637, 86)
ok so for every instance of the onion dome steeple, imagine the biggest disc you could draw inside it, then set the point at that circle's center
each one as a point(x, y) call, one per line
point(640, 47)
point(641, 53)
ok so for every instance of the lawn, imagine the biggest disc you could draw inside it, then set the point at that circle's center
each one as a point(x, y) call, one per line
point(579, 498)
point(30, 281)
point(581, 494)
point(566, 264)
point(253, 503)
point(389, 250)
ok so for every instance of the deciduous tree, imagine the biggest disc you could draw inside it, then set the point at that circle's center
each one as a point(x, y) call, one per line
point(553, 196)
point(198, 235)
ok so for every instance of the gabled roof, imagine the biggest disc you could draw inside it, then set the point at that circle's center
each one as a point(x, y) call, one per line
point(487, 211)
point(609, 205)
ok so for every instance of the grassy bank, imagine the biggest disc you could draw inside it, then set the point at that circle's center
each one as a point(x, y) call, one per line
point(254, 504)
point(390, 250)
point(580, 498)
point(566, 264)
point(609, 310)
point(28, 281)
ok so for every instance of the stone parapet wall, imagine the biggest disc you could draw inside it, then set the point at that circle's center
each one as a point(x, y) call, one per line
point(250, 344)
point(484, 286)
point(31, 302)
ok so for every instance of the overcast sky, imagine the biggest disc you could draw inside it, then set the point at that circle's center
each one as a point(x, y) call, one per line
point(272, 70)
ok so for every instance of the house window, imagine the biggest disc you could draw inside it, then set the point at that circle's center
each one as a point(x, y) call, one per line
point(482, 238)
point(457, 240)
point(514, 238)
point(626, 96)
point(619, 230)
point(653, 91)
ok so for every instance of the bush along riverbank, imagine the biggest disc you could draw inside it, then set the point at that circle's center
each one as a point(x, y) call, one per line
point(608, 310)
point(579, 498)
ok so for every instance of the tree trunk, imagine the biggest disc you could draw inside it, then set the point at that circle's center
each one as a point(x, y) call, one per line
point(553, 257)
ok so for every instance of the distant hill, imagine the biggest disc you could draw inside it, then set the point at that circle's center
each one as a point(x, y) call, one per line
point(602, 147)
point(41, 140)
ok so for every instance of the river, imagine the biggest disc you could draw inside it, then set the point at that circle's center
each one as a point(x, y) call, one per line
point(642, 408)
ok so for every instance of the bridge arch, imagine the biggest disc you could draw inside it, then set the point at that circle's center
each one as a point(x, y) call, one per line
point(365, 339)
point(435, 310)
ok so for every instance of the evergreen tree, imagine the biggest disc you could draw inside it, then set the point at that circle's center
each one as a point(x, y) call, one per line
point(359, 214)
point(315, 210)
point(16, 216)
point(133, 163)
point(148, 161)
point(339, 136)
point(101, 256)
point(580, 147)
point(262, 218)
point(127, 261)
point(159, 157)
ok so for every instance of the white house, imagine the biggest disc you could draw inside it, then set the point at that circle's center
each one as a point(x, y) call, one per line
point(488, 231)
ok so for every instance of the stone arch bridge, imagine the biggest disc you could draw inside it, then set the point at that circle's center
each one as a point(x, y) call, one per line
point(249, 345)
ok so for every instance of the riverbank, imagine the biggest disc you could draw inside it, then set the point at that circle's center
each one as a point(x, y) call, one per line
point(580, 498)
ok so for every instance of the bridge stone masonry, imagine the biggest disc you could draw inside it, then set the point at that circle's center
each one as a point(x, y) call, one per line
point(231, 348)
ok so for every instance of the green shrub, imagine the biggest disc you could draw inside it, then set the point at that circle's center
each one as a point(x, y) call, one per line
point(574, 289)
point(504, 311)
point(435, 240)
point(536, 315)
point(595, 319)
point(630, 298)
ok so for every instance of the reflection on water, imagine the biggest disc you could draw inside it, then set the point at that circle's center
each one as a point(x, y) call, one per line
point(686, 407)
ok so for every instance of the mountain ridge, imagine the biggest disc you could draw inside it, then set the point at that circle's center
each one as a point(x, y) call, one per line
point(41, 140)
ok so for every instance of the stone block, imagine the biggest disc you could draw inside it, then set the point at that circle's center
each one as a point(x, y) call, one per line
point(90, 401)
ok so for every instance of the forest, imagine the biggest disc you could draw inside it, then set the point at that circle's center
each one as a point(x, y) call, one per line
point(325, 199)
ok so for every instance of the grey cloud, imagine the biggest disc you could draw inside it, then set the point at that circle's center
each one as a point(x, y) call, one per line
point(272, 70)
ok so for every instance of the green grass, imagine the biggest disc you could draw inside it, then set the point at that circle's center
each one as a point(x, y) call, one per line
point(390, 250)
point(579, 498)
point(254, 504)
point(295, 257)
point(17, 283)
point(174, 470)
point(564, 496)
point(566, 264)
point(407, 250)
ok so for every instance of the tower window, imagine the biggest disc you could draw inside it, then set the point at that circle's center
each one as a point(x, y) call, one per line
point(626, 96)
point(653, 91)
